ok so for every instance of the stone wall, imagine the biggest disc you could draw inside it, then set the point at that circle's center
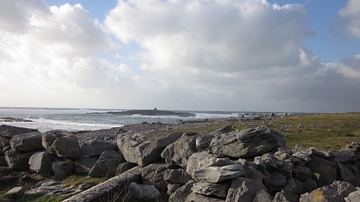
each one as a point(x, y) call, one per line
point(246, 165)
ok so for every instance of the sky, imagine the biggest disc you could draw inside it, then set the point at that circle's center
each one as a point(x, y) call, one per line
point(220, 55)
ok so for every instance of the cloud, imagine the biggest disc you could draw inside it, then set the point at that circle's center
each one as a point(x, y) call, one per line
point(351, 18)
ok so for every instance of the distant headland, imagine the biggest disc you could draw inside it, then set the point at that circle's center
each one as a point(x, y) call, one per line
point(153, 112)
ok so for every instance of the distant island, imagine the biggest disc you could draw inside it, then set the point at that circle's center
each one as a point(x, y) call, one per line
point(153, 112)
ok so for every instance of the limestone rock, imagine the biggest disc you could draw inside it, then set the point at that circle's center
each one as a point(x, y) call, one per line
point(328, 155)
point(263, 196)
point(66, 146)
point(41, 163)
point(345, 156)
point(15, 193)
point(136, 149)
point(49, 137)
point(26, 142)
point(247, 142)
point(211, 189)
point(84, 164)
point(94, 147)
point(176, 176)
point(181, 194)
point(335, 192)
point(193, 197)
point(353, 197)
point(325, 171)
point(143, 192)
point(203, 142)
point(122, 167)
point(179, 151)
point(63, 169)
point(243, 189)
point(216, 174)
point(154, 174)
point(7, 131)
point(106, 165)
point(18, 161)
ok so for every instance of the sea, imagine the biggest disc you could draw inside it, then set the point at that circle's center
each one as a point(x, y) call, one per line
point(77, 119)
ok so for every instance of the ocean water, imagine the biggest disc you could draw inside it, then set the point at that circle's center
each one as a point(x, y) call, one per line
point(45, 119)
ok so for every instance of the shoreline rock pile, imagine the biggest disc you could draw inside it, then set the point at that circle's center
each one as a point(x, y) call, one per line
point(247, 165)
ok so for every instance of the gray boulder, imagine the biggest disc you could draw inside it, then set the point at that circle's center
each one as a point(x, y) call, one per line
point(153, 174)
point(353, 196)
point(182, 193)
point(324, 171)
point(41, 163)
point(106, 165)
point(247, 142)
point(7, 131)
point(66, 146)
point(18, 161)
point(263, 196)
point(345, 156)
point(243, 189)
point(49, 137)
point(211, 189)
point(193, 197)
point(26, 142)
point(63, 169)
point(216, 174)
point(143, 192)
point(84, 164)
point(203, 142)
point(202, 160)
point(176, 176)
point(122, 167)
point(328, 155)
point(335, 192)
point(94, 147)
point(137, 149)
point(179, 151)
point(15, 193)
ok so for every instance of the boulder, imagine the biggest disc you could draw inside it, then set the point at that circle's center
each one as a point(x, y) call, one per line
point(216, 174)
point(193, 197)
point(66, 146)
point(154, 174)
point(49, 137)
point(211, 189)
point(203, 142)
point(328, 155)
point(2, 161)
point(353, 196)
point(247, 142)
point(94, 147)
point(179, 151)
point(106, 165)
point(324, 171)
point(335, 192)
point(63, 169)
point(263, 196)
point(143, 192)
point(181, 194)
point(7, 131)
point(26, 142)
point(301, 172)
point(137, 149)
point(122, 167)
point(1, 146)
point(84, 164)
point(18, 161)
point(176, 176)
point(345, 156)
point(243, 189)
point(202, 160)
point(41, 163)
point(15, 193)
point(49, 188)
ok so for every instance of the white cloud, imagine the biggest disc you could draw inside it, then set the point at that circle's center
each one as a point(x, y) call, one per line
point(351, 17)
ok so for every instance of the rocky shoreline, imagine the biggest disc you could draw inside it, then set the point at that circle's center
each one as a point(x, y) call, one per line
point(145, 163)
